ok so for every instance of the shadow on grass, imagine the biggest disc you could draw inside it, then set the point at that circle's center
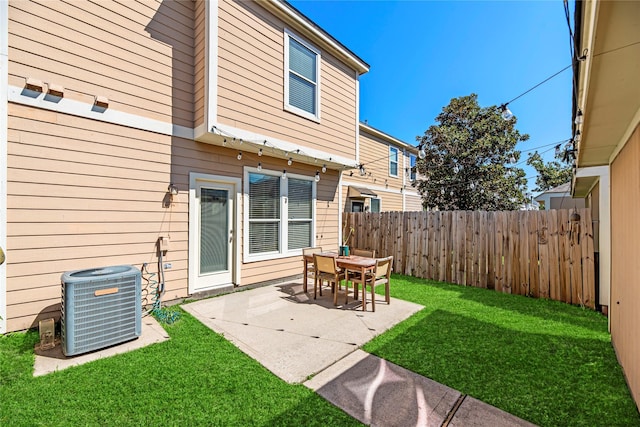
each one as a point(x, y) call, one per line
point(545, 379)
point(545, 309)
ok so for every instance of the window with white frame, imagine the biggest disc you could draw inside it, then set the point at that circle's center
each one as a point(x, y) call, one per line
point(300, 201)
point(412, 165)
point(393, 161)
point(375, 205)
point(302, 77)
point(280, 215)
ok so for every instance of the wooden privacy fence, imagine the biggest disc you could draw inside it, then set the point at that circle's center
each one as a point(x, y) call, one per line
point(541, 254)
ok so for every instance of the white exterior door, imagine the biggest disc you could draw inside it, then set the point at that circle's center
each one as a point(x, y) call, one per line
point(212, 228)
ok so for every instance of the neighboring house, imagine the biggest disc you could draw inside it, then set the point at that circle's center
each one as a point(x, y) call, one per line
point(383, 182)
point(558, 198)
point(248, 111)
point(607, 105)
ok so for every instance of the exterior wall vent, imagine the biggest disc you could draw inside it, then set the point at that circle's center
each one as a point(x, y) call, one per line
point(100, 307)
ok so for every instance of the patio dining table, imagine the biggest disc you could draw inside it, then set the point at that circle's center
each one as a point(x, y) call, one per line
point(350, 262)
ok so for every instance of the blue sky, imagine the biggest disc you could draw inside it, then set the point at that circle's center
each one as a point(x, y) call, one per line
point(424, 53)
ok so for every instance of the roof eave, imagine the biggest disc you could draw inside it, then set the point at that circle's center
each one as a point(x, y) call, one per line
point(303, 24)
point(385, 136)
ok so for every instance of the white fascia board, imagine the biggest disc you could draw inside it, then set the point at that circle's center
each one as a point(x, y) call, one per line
point(385, 136)
point(588, 41)
point(286, 146)
point(211, 63)
point(277, 6)
point(357, 75)
point(592, 171)
point(376, 188)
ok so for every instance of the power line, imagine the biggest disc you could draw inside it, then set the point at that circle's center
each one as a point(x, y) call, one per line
point(539, 84)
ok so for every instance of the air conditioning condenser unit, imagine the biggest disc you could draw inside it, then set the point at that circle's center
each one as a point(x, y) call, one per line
point(101, 307)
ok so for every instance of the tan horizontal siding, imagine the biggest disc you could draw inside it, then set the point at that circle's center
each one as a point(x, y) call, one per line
point(73, 206)
point(91, 228)
point(80, 195)
point(92, 250)
point(139, 55)
point(138, 75)
point(251, 69)
point(413, 203)
point(271, 270)
point(25, 242)
point(390, 202)
point(374, 155)
point(625, 234)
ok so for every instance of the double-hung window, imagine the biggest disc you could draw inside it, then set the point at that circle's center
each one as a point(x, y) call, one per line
point(280, 213)
point(393, 161)
point(375, 205)
point(412, 165)
point(300, 213)
point(302, 77)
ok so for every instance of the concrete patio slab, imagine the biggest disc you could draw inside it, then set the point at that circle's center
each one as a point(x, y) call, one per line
point(313, 342)
point(290, 333)
point(52, 360)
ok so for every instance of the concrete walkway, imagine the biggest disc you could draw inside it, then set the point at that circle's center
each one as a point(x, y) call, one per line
point(303, 340)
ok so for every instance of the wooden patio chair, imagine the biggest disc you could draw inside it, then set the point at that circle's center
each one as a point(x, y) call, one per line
point(381, 275)
point(326, 268)
point(351, 273)
point(311, 270)
point(363, 252)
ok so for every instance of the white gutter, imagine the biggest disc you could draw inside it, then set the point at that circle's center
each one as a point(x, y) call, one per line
point(280, 9)
point(378, 133)
point(588, 43)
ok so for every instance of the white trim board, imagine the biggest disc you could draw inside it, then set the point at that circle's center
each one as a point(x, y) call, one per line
point(194, 177)
point(4, 83)
point(82, 109)
point(256, 138)
point(211, 64)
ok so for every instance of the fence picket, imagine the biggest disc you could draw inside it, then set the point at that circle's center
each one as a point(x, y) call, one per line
point(541, 254)
point(564, 249)
point(490, 242)
point(554, 267)
point(577, 294)
point(482, 252)
point(534, 256)
point(499, 248)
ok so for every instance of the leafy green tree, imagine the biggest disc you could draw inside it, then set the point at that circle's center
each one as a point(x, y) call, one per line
point(553, 173)
point(469, 159)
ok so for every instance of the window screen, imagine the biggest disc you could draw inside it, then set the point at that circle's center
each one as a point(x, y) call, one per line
point(302, 77)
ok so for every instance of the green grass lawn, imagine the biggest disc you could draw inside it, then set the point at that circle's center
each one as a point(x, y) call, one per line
point(197, 378)
point(544, 361)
